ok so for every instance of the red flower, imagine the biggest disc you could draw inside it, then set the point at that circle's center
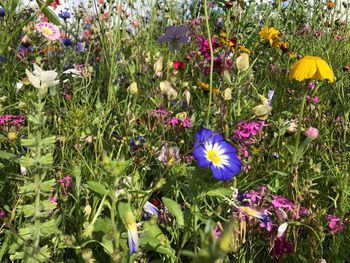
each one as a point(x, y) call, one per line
point(178, 65)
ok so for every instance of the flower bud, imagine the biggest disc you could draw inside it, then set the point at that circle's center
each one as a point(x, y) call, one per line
point(311, 133)
point(227, 94)
point(132, 89)
point(242, 62)
point(292, 128)
point(158, 66)
point(262, 111)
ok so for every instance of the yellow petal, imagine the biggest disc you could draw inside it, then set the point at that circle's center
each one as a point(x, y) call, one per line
point(324, 71)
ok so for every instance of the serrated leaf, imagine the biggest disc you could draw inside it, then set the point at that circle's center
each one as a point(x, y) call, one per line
point(175, 209)
point(97, 187)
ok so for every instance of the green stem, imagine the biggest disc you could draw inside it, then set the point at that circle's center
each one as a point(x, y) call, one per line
point(297, 140)
point(211, 62)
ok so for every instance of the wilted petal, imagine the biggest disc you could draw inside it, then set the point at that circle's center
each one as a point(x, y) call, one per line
point(281, 229)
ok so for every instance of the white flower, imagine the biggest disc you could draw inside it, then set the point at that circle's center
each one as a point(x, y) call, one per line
point(42, 79)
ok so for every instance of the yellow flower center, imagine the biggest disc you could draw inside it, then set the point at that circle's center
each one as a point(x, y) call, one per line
point(213, 156)
point(46, 30)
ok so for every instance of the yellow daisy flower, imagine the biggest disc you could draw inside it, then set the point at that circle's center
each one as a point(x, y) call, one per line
point(269, 34)
point(310, 67)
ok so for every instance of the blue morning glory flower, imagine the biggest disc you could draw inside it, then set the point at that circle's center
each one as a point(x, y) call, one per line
point(211, 150)
point(2, 11)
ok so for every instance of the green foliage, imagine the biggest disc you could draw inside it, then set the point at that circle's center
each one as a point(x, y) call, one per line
point(77, 176)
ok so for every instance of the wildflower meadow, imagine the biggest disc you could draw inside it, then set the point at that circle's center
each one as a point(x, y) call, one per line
point(174, 131)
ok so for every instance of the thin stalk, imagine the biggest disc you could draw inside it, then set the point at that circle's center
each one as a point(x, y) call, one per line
point(211, 62)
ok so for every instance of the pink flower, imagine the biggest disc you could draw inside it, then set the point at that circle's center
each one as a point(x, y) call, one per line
point(311, 133)
point(50, 31)
point(173, 121)
point(186, 123)
point(335, 224)
point(178, 64)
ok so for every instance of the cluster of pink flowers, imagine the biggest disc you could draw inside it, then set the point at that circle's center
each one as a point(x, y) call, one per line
point(271, 211)
point(182, 122)
point(246, 133)
point(221, 61)
point(314, 100)
point(12, 120)
point(335, 224)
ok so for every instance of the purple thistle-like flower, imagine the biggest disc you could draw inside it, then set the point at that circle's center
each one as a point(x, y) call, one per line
point(211, 150)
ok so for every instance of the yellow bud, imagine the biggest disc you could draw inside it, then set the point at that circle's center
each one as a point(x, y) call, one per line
point(12, 136)
point(227, 94)
point(132, 89)
point(158, 66)
point(262, 111)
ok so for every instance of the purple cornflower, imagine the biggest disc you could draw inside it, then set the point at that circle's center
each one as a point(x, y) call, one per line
point(64, 14)
point(335, 224)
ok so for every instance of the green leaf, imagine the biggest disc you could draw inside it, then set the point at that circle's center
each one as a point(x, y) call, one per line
point(48, 141)
point(49, 13)
point(48, 205)
point(7, 156)
point(26, 161)
point(28, 210)
point(96, 187)
point(26, 232)
point(175, 209)
point(48, 228)
point(46, 160)
point(219, 192)
point(103, 225)
point(47, 185)
point(108, 244)
point(28, 142)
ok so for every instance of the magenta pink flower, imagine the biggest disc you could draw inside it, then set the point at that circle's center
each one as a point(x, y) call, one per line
point(335, 224)
point(50, 31)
